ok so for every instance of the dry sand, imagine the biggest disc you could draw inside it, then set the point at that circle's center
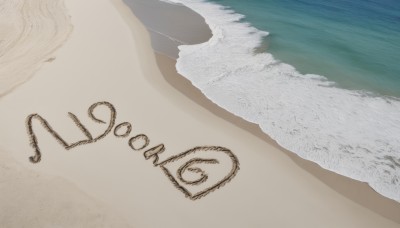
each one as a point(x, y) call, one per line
point(30, 31)
point(109, 57)
point(29, 199)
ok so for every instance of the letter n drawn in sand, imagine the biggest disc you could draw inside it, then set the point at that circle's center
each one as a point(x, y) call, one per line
point(201, 170)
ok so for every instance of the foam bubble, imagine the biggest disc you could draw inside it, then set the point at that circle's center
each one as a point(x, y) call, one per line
point(353, 133)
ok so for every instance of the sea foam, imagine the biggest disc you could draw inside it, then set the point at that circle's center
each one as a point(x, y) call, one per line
point(353, 133)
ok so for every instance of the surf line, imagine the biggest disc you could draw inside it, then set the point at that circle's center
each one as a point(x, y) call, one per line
point(193, 160)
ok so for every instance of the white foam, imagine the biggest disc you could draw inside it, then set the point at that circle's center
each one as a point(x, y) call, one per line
point(349, 132)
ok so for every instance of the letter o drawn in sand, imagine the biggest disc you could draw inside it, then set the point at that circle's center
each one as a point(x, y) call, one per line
point(89, 137)
point(195, 172)
point(187, 167)
point(193, 161)
point(133, 142)
point(128, 130)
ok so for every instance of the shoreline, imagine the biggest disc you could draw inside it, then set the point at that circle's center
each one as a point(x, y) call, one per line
point(167, 30)
point(346, 161)
point(109, 57)
point(355, 190)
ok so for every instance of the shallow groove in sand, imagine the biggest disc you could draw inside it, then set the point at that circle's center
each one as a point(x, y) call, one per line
point(30, 32)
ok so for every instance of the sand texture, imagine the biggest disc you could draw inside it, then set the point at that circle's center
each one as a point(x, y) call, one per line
point(29, 199)
point(124, 141)
point(30, 32)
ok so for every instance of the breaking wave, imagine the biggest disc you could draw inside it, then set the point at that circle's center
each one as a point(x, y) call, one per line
point(353, 133)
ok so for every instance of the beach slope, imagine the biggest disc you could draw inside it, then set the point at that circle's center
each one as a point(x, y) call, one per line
point(109, 59)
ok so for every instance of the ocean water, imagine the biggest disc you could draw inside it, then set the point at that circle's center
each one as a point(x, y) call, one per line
point(355, 43)
point(320, 77)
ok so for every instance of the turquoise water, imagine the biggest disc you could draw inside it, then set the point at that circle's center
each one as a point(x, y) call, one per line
point(355, 43)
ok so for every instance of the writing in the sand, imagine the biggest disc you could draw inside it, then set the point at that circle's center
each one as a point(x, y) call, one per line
point(185, 170)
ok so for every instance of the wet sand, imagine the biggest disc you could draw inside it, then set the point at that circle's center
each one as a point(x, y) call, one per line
point(170, 25)
point(194, 24)
point(109, 58)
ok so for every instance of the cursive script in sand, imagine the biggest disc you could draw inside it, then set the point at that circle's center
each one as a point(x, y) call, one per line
point(185, 170)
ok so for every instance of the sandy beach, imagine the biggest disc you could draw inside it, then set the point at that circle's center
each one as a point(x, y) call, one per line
point(27, 40)
point(109, 180)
